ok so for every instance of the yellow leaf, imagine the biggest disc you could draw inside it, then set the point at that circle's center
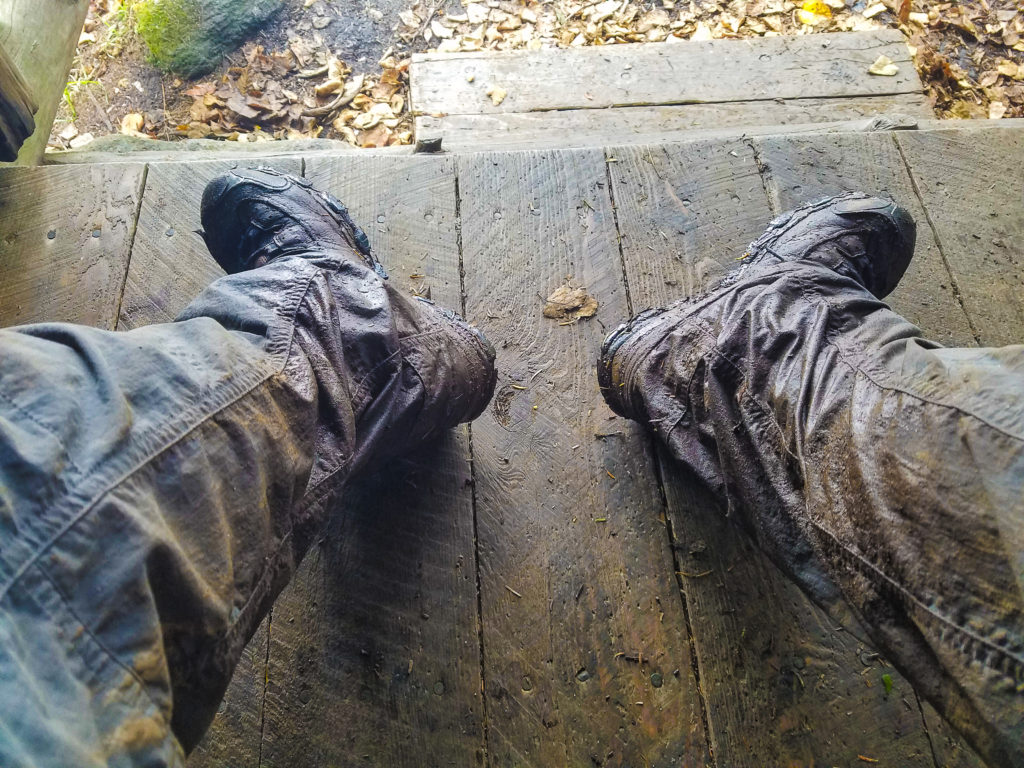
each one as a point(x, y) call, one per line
point(817, 7)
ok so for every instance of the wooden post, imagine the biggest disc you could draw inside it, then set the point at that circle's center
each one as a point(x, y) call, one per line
point(40, 38)
point(16, 109)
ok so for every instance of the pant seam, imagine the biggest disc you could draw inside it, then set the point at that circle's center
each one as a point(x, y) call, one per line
point(246, 390)
point(26, 414)
point(96, 640)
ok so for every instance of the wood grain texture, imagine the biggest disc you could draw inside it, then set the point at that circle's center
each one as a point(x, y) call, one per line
point(971, 185)
point(170, 263)
point(233, 740)
point(374, 647)
point(41, 38)
point(65, 235)
point(586, 653)
point(815, 66)
point(563, 129)
point(949, 749)
point(804, 169)
point(784, 683)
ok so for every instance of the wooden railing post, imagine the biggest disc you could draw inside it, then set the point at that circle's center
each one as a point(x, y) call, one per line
point(40, 38)
point(16, 109)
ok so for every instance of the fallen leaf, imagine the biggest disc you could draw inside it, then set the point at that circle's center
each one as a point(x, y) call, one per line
point(569, 302)
point(884, 66)
point(1010, 69)
point(904, 12)
point(873, 10)
point(439, 29)
point(81, 141)
point(132, 123)
point(702, 32)
point(496, 94)
point(813, 12)
point(996, 110)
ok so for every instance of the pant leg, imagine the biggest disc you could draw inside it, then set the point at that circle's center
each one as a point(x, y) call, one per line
point(869, 463)
point(158, 487)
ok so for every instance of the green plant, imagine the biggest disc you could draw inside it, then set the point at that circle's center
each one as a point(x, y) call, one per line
point(69, 92)
point(116, 24)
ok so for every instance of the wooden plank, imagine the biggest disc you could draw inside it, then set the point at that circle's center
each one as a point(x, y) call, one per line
point(950, 750)
point(586, 653)
point(41, 38)
point(234, 736)
point(66, 234)
point(713, 71)
point(564, 129)
point(799, 170)
point(375, 650)
point(170, 263)
point(970, 185)
point(784, 684)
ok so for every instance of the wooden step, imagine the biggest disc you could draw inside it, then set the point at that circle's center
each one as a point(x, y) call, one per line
point(640, 92)
point(532, 597)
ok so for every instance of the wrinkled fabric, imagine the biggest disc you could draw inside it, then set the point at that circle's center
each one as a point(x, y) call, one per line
point(158, 487)
point(868, 462)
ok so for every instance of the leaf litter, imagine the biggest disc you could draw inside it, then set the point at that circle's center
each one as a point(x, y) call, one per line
point(569, 302)
point(970, 56)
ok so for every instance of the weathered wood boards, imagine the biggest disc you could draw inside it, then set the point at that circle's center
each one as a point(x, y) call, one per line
point(374, 648)
point(784, 684)
point(41, 38)
point(568, 128)
point(65, 236)
point(714, 71)
point(586, 654)
point(970, 184)
point(575, 562)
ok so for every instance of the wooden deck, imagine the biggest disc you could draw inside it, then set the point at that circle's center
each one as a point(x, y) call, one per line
point(544, 589)
point(645, 93)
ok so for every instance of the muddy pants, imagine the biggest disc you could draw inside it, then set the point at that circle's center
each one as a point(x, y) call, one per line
point(158, 487)
point(869, 463)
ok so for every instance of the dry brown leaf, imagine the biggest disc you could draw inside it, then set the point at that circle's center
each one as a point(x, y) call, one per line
point(132, 124)
point(570, 303)
point(328, 87)
point(497, 94)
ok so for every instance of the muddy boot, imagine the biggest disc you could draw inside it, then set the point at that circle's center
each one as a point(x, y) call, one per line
point(254, 217)
point(879, 470)
point(869, 240)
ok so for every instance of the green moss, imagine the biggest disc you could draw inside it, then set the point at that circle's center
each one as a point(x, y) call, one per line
point(167, 27)
point(189, 37)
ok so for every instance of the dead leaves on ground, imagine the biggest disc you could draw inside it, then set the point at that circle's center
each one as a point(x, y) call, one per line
point(974, 48)
point(251, 103)
point(970, 55)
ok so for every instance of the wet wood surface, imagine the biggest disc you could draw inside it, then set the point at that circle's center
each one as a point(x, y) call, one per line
point(543, 588)
point(785, 683)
